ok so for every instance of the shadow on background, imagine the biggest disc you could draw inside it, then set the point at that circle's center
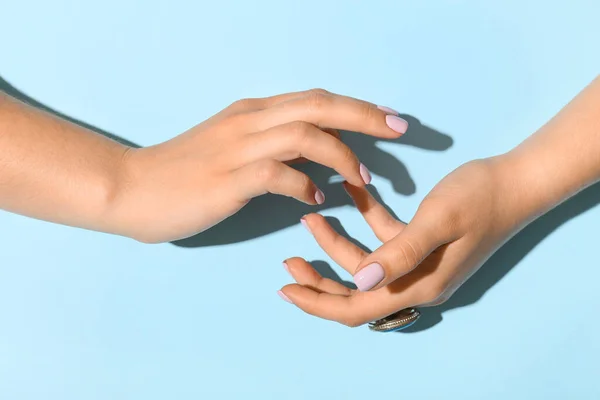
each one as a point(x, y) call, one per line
point(323, 268)
point(508, 256)
point(17, 94)
point(269, 213)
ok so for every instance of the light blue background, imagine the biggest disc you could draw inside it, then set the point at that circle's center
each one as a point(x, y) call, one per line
point(85, 315)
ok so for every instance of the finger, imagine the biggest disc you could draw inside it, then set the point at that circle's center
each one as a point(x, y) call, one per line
point(271, 176)
point(332, 111)
point(301, 139)
point(261, 103)
point(402, 254)
point(333, 132)
point(354, 310)
point(423, 287)
point(383, 224)
point(305, 275)
point(248, 105)
point(340, 249)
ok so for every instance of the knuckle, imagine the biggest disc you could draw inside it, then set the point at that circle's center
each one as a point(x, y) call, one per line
point(410, 254)
point(318, 91)
point(233, 122)
point(316, 101)
point(242, 104)
point(299, 129)
point(268, 171)
point(305, 184)
point(367, 111)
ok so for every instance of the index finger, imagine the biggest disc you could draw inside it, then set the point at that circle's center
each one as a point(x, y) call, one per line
point(330, 110)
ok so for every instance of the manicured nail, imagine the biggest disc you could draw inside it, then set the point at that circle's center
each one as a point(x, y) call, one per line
point(319, 197)
point(286, 267)
point(304, 224)
point(368, 277)
point(284, 297)
point(388, 110)
point(396, 123)
point(366, 175)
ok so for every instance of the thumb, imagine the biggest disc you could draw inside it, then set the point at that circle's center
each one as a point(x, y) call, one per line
point(400, 255)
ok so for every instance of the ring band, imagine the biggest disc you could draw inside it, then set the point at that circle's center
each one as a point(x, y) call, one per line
point(396, 321)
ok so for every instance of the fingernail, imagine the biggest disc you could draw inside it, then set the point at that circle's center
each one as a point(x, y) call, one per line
point(286, 267)
point(388, 110)
point(366, 175)
point(368, 277)
point(304, 224)
point(319, 197)
point(396, 123)
point(284, 297)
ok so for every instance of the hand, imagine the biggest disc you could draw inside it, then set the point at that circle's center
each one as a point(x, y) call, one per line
point(458, 226)
point(183, 186)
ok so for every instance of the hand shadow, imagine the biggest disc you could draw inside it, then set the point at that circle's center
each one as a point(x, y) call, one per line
point(17, 94)
point(325, 270)
point(269, 213)
point(508, 256)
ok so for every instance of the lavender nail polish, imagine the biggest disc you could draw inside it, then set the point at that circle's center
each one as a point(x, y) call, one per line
point(368, 277)
point(365, 174)
point(284, 297)
point(319, 197)
point(388, 110)
point(286, 267)
point(396, 124)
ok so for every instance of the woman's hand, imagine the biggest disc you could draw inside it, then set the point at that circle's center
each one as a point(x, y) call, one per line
point(461, 222)
point(181, 187)
point(458, 226)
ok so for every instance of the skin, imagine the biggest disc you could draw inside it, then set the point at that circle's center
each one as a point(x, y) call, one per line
point(57, 171)
point(465, 218)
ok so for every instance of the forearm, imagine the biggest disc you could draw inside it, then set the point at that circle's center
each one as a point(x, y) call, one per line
point(559, 160)
point(54, 170)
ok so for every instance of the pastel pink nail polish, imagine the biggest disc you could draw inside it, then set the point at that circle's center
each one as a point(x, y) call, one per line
point(368, 277)
point(304, 224)
point(396, 124)
point(388, 110)
point(319, 197)
point(365, 174)
point(284, 297)
point(286, 267)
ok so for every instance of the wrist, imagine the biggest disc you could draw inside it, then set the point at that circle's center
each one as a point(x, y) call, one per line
point(559, 160)
point(119, 206)
point(532, 184)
